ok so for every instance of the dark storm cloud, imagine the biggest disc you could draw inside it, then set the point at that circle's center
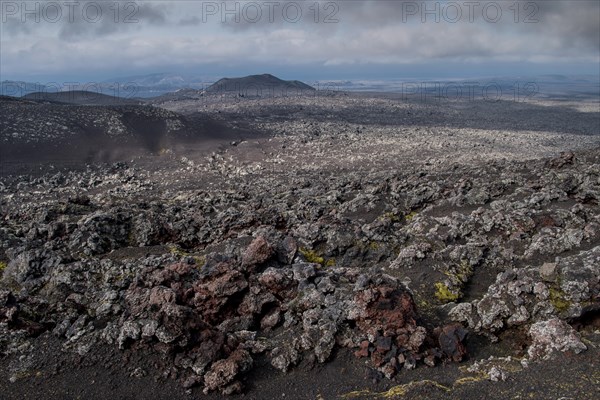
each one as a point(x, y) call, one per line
point(572, 24)
point(80, 19)
point(285, 13)
point(130, 15)
point(367, 33)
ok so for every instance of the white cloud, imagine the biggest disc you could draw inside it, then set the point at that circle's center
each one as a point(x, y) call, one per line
point(368, 32)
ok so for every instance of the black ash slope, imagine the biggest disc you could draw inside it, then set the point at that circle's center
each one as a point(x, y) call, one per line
point(37, 132)
point(81, 97)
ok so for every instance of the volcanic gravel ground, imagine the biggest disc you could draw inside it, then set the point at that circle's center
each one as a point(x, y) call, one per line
point(369, 247)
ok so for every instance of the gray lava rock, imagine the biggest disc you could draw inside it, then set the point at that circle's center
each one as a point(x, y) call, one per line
point(553, 335)
point(223, 372)
point(258, 252)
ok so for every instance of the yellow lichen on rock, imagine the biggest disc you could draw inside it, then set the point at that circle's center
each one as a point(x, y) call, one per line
point(198, 260)
point(558, 301)
point(410, 216)
point(330, 262)
point(470, 379)
point(311, 256)
point(396, 391)
point(444, 294)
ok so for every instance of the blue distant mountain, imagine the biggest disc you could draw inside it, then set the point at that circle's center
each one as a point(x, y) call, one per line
point(152, 85)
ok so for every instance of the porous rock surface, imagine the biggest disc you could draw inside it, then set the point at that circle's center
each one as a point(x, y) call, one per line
point(214, 263)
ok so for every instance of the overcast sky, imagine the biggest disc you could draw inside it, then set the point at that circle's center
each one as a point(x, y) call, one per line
point(343, 39)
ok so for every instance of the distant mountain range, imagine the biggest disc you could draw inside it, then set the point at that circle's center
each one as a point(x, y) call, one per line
point(153, 85)
point(505, 87)
point(129, 86)
point(163, 80)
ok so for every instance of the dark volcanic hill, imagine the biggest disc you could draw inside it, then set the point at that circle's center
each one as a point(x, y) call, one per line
point(259, 85)
point(34, 132)
point(80, 97)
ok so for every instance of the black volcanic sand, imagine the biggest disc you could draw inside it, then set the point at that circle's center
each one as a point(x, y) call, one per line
point(107, 373)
